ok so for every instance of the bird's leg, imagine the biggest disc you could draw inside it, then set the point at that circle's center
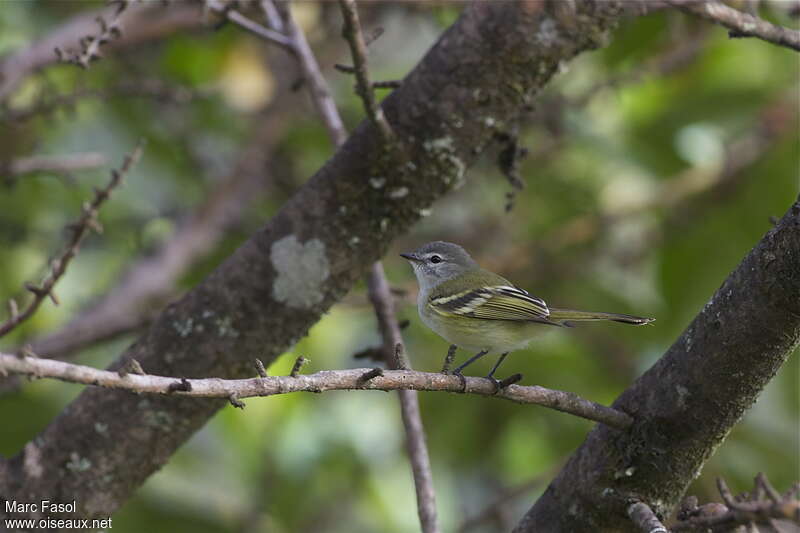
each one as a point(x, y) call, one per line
point(490, 375)
point(497, 364)
point(470, 361)
point(451, 355)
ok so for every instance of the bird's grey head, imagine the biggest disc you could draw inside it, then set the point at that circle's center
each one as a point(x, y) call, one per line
point(439, 261)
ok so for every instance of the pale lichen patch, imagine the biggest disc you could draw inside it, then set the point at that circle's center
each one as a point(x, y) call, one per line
point(184, 328)
point(683, 393)
point(398, 193)
point(443, 150)
point(77, 463)
point(33, 460)
point(301, 271)
point(547, 35)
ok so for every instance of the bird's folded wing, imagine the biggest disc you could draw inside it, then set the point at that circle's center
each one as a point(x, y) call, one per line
point(502, 302)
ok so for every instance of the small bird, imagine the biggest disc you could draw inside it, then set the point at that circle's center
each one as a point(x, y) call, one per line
point(481, 311)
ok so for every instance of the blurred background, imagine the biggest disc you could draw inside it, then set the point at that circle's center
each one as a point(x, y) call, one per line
point(647, 170)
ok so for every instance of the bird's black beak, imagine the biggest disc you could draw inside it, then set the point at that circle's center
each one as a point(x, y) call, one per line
point(410, 257)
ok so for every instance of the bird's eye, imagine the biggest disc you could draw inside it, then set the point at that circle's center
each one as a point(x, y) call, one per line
point(436, 259)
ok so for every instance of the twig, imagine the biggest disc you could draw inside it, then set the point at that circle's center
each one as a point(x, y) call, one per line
point(381, 296)
point(262, 372)
point(299, 363)
point(448, 361)
point(55, 163)
point(379, 290)
point(358, 48)
point(273, 16)
point(240, 20)
point(320, 92)
point(90, 44)
point(79, 229)
point(144, 21)
point(388, 84)
point(645, 519)
point(741, 24)
point(319, 382)
point(763, 504)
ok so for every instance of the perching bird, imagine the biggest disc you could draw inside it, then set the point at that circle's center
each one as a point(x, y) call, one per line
point(481, 311)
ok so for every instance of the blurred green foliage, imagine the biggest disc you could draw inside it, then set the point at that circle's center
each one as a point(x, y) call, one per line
point(626, 208)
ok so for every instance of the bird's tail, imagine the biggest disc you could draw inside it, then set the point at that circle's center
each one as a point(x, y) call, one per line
point(565, 316)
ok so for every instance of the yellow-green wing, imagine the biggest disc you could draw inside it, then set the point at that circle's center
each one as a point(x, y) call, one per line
point(498, 302)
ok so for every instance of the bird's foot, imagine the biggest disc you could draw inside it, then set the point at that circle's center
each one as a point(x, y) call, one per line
point(500, 384)
point(495, 382)
point(463, 380)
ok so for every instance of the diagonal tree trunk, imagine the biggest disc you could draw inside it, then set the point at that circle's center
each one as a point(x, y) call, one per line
point(686, 404)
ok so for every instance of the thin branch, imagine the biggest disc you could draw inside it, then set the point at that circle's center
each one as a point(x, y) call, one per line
point(319, 382)
point(55, 163)
point(90, 44)
point(145, 21)
point(387, 84)
point(320, 91)
point(645, 519)
point(253, 27)
point(741, 24)
point(379, 290)
point(358, 48)
point(273, 16)
point(763, 504)
point(383, 302)
point(79, 229)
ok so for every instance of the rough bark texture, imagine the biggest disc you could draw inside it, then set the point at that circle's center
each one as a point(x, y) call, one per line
point(263, 298)
point(686, 404)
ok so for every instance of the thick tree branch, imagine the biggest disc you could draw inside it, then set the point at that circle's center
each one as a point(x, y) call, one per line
point(268, 293)
point(686, 404)
point(741, 24)
point(353, 379)
point(143, 22)
point(79, 230)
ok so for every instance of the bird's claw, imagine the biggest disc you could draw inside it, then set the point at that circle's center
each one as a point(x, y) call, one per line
point(496, 382)
point(462, 379)
point(500, 384)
